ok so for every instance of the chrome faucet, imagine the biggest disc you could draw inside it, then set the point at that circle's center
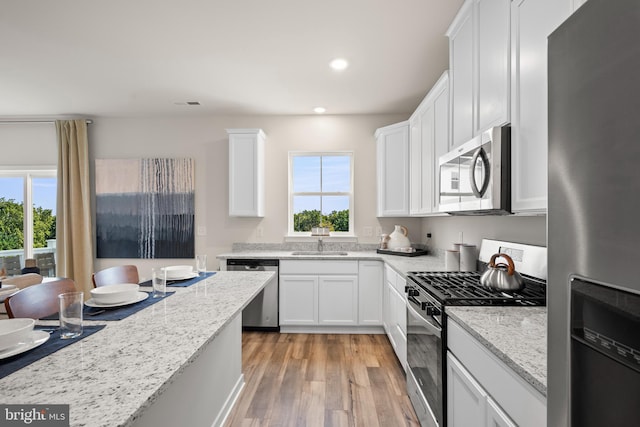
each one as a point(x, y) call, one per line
point(320, 244)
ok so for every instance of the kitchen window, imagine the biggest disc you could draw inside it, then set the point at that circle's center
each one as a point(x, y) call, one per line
point(320, 192)
point(28, 233)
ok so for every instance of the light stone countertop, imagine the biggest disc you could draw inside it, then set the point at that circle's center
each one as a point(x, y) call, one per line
point(112, 376)
point(516, 335)
point(402, 264)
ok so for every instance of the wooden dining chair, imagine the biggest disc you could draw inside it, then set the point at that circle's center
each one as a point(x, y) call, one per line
point(115, 275)
point(38, 301)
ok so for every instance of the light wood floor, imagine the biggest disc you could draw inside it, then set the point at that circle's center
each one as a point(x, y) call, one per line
point(321, 380)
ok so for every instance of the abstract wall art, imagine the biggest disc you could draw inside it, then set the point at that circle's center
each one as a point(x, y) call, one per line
point(145, 208)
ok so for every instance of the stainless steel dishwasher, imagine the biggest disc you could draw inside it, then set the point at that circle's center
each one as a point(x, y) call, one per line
point(262, 312)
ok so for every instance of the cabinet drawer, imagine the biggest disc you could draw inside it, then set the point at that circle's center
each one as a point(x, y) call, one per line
point(318, 267)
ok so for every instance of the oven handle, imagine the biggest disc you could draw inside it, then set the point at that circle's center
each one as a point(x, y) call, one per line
point(434, 329)
point(480, 153)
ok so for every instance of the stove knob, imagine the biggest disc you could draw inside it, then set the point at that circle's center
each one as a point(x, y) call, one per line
point(413, 292)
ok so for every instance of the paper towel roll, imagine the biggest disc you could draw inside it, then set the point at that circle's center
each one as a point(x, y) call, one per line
point(468, 258)
point(452, 260)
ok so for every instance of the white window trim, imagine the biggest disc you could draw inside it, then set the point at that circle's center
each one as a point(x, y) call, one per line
point(334, 235)
point(28, 173)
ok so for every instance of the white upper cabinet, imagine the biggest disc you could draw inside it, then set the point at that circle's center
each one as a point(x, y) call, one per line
point(461, 61)
point(429, 139)
point(392, 154)
point(493, 64)
point(531, 23)
point(246, 172)
point(479, 67)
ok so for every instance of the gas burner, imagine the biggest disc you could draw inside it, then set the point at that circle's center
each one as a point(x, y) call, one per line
point(464, 288)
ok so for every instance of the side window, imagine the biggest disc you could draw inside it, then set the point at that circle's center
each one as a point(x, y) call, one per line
point(320, 192)
point(28, 233)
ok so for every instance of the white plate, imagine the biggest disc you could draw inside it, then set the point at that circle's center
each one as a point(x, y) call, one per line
point(188, 276)
point(37, 339)
point(140, 296)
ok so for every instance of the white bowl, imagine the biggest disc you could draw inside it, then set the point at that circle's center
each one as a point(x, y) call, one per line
point(14, 331)
point(115, 294)
point(178, 271)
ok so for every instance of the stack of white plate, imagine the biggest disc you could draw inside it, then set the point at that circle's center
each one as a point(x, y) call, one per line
point(115, 294)
point(178, 272)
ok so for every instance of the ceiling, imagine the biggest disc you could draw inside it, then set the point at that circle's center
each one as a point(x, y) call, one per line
point(148, 57)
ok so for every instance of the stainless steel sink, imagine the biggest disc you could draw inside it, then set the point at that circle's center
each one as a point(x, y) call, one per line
point(320, 253)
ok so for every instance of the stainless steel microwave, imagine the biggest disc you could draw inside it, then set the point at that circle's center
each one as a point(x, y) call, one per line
point(475, 178)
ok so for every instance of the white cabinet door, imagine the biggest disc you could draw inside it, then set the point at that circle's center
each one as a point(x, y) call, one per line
point(392, 152)
point(496, 416)
point(531, 23)
point(466, 400)
point(493, 64)
point(398, 326)
point(441, 140)
point(370, 293)
point(338, 300)
point(246, 172)
point(461, 69)
point(415, 164)
point(298, 301)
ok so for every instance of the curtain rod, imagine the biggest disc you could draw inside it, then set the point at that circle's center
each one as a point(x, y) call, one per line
point(34, 121)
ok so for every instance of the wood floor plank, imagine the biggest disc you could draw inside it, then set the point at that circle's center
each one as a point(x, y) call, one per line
point(319, 380)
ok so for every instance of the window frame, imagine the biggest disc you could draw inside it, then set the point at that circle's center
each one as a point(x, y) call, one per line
point(28, 173)
point(292, 194)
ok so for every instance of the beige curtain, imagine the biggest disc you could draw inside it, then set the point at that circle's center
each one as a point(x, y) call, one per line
point(73, 222)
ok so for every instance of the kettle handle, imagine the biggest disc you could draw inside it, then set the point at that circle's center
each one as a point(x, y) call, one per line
point(404, 230)
point(511, 268)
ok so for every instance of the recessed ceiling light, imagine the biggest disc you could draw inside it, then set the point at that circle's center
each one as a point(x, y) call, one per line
point(339, 64)
point(319, 110)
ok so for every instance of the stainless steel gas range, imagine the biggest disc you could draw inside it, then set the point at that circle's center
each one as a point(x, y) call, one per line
point(428, 295)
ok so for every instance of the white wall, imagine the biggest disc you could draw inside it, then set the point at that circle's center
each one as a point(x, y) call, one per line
point(206, 140)
point(28, 144)
point(521, 229)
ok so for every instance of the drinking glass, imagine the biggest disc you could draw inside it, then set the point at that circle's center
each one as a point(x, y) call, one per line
point(201, 264)
point(71, 314)
point(159, 282)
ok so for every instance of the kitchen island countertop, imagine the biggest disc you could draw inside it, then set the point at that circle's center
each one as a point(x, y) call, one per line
point(113, 376)
point(516, 335)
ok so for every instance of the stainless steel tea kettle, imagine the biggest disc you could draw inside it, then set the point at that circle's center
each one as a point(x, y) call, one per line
point(501, 276)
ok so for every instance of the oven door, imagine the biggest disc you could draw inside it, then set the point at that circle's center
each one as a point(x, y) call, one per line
point(424, 360)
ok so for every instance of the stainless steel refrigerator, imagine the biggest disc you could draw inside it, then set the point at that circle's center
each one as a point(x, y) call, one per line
point(594, 217)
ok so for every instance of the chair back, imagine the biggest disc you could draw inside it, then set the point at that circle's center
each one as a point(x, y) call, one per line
point(115, 275)
point(38, 301)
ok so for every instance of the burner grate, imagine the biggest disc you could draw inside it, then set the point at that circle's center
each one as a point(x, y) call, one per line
point(463, 288)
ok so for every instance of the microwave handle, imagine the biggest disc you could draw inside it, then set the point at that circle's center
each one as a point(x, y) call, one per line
point(480, 153)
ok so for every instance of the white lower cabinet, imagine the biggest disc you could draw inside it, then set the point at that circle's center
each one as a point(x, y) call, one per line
point(395, 314)
point(298, 301)
point(468, 404)
point(338, 300)
point(484, 392)
point(331, 294)
point(370, 289)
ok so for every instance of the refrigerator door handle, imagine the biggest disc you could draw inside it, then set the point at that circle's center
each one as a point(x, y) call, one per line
point(482, 155)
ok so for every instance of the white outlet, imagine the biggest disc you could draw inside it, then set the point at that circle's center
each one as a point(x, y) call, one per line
point(202, 230)
point(259, 232)
point(367, 231)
